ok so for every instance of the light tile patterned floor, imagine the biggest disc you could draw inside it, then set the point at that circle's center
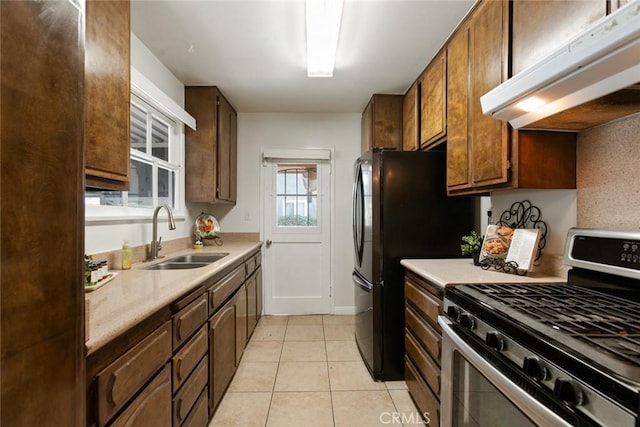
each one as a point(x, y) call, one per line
point(306, 371)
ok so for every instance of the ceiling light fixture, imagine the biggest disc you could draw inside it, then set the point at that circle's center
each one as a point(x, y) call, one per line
point(323, 30)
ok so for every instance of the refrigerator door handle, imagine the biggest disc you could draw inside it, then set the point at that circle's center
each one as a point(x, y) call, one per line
point(361, 283)
point(358, 212)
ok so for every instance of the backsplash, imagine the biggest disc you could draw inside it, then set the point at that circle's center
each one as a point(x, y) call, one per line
point(608, 175)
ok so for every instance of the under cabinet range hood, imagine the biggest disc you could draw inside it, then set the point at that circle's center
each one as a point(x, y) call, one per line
point(597, 63)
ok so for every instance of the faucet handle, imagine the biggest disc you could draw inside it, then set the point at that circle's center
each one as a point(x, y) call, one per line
point(159, 245)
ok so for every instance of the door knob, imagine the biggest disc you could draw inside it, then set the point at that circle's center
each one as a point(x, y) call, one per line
point(269, 242)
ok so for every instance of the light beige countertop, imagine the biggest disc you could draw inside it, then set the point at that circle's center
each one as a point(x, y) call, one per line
point(135, 294)
point(448, 272)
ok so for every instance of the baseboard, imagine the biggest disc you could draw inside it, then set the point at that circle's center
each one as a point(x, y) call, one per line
point(344, 310)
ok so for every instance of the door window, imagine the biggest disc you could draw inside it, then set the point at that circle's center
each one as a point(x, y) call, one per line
point(297, 195)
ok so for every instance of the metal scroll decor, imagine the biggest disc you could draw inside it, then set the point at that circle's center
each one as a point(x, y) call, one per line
point(520, 215)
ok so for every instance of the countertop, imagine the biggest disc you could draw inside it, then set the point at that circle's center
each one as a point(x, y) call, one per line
point(449, 272)
point(135, 294)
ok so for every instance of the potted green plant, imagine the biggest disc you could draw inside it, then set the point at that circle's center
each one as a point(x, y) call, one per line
point(471, 245)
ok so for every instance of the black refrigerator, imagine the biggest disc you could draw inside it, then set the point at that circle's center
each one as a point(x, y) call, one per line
point(400, 211)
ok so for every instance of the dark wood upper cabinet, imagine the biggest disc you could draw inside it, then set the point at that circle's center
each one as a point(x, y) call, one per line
point(433, 100)
point(410, 119)
point(539, 27)
point(382, 122)
point(484, 154)
point(211, 150)
point(107, 94)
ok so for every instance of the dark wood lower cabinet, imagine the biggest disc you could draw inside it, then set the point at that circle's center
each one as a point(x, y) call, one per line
point(173, 368)
point(151, 407)
point(423, 345)
point(222, 352)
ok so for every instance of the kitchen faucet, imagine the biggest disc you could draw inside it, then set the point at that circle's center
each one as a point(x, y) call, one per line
point(155, 246)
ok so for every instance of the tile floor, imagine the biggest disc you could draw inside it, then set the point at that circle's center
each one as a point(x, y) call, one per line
point(306, 371)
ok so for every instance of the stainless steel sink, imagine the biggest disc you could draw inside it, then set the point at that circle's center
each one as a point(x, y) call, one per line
point(176, 265)
point(185, 262)
point(202, 258)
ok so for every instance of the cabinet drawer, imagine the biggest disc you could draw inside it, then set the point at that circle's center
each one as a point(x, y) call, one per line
point(151, 407)
point(122, 379)
point(427, 403)
point(250, 265)
point(223, 289)
point(188, 320)
point(188, 357)
point(429, 370)
point(199, 415)
point(426, 305)
point(188, 395)
point(424, 333)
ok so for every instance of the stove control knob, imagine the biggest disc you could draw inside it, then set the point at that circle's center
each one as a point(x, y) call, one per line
point(453, 312)
point(467, 321)
point(534, 368)
point(495, 340)
point(569, 391)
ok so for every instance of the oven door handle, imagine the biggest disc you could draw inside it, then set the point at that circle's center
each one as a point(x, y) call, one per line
point(529, 406)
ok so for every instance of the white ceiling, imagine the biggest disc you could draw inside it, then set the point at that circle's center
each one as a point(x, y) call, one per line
point(254, 51)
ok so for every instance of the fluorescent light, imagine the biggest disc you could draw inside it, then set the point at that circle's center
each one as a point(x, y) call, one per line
point(323, 30)
point(530, 104)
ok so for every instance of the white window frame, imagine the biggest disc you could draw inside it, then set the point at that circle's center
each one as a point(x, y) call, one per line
point(142, 89)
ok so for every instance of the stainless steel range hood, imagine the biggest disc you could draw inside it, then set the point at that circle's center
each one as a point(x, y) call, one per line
point(597, 63)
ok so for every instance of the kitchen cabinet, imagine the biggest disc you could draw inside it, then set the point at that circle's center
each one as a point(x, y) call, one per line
point(541, 27)
point(433, 109)
point(222, 352)
point(107, 94)
point(240, 302)
point(190, 362)
point(211, 150)
point(484, 154)
point(42, 325)
point(410, 117)
point(254, 292)
point(126, 376)
point(382, 122)
point(423, 344)
point(150, 406)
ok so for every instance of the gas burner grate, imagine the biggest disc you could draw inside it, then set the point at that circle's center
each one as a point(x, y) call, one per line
point(603, 321)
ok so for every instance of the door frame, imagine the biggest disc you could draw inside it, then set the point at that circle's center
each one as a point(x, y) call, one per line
point(302, 154)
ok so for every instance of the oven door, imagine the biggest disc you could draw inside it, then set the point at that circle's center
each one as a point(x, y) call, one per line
point(475, 393)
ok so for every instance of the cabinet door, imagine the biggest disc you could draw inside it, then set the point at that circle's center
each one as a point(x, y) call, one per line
point(227, 151)
point(252, 303)
point(240, 301)
point(152, 407)
point(123, 378)
point(259, 293)
point(366, 129)
point(107, 93)
point(433, 102)
point(489, 138)
point(457, 110)
point(201, 144)
point(540, 27)
point(410, 119)
point(222, 352)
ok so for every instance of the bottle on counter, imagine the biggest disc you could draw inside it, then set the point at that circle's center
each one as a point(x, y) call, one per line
point(126, 255)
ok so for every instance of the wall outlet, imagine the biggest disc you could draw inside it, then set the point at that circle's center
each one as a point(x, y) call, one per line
point(247, 216)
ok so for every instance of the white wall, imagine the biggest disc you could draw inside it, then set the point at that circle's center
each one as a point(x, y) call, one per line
point(256, 131)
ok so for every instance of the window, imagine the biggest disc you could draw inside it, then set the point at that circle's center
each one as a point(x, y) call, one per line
point(155, 162)
point(297, 195)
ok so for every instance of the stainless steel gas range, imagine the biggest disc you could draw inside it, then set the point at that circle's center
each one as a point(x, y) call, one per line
point(552, 354)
